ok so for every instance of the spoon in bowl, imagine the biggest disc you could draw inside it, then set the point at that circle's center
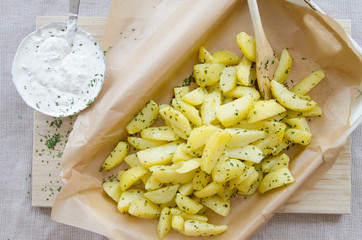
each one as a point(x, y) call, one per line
point(266, 61)
point(72, 20)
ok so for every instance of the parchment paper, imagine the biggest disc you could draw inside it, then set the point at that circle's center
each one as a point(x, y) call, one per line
point(151, 47)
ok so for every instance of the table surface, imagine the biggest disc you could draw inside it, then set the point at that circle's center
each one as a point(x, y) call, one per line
point(23, 221)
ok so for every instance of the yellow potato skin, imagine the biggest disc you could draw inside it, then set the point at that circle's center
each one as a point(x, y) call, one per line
point(232, 112)
point(226, 57)
point(264, 109)
point(217, 204)
point(144, 208)
point(290, 99)
point(113, 190)
point(145, 118)
point(205, 56)
point(127, 197)
point(179, 123)
point(207, 74)
point(284, 66)
point(247, 45)
point(162, 195)
point(129, 177)
point(306, 84)
point(277, 178)
point(164, 224)
point(213, 149)
point(116, 156)
point(196, 228)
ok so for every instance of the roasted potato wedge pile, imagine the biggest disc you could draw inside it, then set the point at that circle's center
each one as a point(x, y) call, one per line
point(218, 138)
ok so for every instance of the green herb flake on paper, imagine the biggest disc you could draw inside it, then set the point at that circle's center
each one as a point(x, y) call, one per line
point(188, 81)
point(56, 123)
point(53, 140)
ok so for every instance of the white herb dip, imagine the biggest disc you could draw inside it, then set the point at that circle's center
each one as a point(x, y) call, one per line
point(57, 78)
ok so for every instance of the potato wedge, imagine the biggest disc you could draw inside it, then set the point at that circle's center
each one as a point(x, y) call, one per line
point(195, 97)
point(130, 176)
point(186, 189)
point(178, 121)
point(162, 195)
point(144, 208)
point(243, 72)
point(145, 118)
point(241, 91)
point(264, 109)
point(298, 136)
point(167, 174)
point(250, 184)
point(283, 145)
point(247, 45)
point(205, 56)
point(228, 79)
point(277, 178)
point(217, 204)
point(227, 169)
point(164, 223)
point(269, 144)
point(252, 76)
point(315, 112)
point(180, 155)
point(210, 189)
point(305, 85)
point(180, 92)
point(163, 133)
point(152, 183)
point(284, 66)
point(213, 150)
point(231, 113)
point(196, 228)
point(188, 165)
point(116, 157)
point(275, 162)
point(127, 197)
point(132, 160)
point(298, 123)
point(271, 128)
point(186, 216)
point(289, 99)
point(187, 205)
point(189, 111)
point(208, 107)
point(227, 100)
point(207, 74)
point(200, 180)
point(177, 223)
point(157, 155)
point(141, 143)
point(226, 57)
point(199, 136)
point(113, 190)
point(235, 182)
point(227, 192)
point(196, 153)
point(242, 137)
point(248, 153)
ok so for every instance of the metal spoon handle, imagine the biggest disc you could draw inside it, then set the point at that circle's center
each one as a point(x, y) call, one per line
point(72, 21)
point(73, 9)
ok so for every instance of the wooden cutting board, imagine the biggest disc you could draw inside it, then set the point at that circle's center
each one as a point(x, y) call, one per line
point(331, 195)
